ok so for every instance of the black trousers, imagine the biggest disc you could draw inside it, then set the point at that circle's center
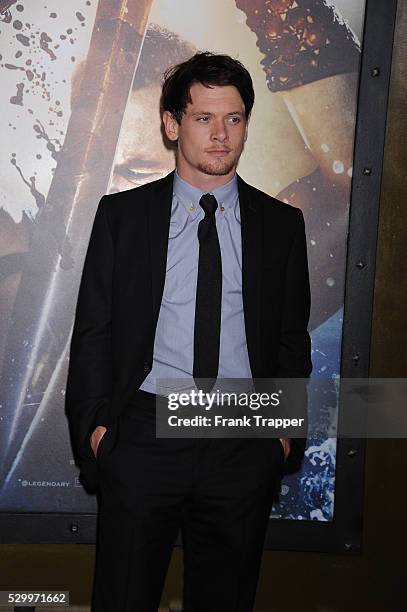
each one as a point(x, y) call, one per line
point(219, 492)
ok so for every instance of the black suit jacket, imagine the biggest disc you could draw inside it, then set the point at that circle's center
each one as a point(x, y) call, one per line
point(120, 295)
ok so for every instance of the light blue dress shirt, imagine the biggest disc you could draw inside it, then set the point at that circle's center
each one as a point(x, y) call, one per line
point(174, 340)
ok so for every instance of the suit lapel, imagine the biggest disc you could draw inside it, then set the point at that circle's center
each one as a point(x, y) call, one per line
point(159, 214)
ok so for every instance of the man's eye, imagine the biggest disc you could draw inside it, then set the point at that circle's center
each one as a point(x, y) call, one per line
point(203, 119)
point(234, 120)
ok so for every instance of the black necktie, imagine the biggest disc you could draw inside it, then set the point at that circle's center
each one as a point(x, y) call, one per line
point(208, 299)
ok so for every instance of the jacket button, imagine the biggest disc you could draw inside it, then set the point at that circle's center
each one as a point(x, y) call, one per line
point(146, 367)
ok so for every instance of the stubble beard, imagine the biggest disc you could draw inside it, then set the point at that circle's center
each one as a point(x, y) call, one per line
point(218, 167)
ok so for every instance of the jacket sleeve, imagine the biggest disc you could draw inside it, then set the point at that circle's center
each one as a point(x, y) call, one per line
point(89, 382)
point(294, 358)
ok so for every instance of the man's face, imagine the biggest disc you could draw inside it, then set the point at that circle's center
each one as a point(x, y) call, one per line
point(141, 155)
point(212, 133)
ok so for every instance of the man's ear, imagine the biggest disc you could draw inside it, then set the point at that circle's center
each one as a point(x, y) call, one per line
point(170, 125)
point(247, 128)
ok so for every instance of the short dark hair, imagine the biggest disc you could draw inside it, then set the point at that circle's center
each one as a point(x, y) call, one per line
point(209, 69)
point(161, 49)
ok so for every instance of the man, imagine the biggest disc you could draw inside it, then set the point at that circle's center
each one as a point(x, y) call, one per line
point(195, 275)
point(142, 155)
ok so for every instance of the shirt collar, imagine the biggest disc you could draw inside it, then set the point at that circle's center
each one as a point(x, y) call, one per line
point(189, 195)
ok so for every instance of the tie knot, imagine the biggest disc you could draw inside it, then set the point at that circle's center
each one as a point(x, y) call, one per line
point(209, 203)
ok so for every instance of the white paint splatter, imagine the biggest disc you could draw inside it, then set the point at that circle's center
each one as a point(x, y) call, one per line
point(338, 166)
point(317, 515)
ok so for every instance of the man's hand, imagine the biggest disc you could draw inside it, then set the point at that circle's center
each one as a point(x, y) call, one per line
point(96, 437)
point(286, 442)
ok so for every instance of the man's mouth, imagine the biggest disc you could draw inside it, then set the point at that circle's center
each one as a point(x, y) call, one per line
point(219, 152)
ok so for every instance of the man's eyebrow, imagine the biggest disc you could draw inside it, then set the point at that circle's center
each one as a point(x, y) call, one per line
point(208, 113)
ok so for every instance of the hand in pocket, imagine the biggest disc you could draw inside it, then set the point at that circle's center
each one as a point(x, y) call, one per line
point(286, 444)
point(96, 437)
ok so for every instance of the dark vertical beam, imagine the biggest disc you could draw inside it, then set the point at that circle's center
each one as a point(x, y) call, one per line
point(370, 133)
point(366, 183)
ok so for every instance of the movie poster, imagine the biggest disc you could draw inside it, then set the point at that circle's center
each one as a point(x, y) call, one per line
point(80, 89)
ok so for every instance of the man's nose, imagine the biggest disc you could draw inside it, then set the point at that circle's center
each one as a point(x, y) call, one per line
point(220, 132)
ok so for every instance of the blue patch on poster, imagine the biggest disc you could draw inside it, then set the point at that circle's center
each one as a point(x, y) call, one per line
point(309, 494)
